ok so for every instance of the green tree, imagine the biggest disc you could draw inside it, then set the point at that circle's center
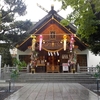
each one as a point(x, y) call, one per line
point(86, 17)
point(20, 65)
point(5, 53)
point(10, 29)
point(97, 74)
point(18, 31)
point(6, 57)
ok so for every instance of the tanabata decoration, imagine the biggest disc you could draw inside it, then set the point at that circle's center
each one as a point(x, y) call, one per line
point(65, 40)
point(71, 42)
point(40, 42)
point(33, 42)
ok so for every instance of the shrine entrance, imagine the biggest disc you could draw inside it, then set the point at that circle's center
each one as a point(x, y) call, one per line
point(52, 64)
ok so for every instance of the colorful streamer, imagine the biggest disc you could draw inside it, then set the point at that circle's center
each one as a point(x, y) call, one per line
point(40, 42)
point(33, 42)
point(65, 40)
point(71, 42)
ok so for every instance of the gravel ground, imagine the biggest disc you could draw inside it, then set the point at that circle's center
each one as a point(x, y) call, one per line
point(6, 93)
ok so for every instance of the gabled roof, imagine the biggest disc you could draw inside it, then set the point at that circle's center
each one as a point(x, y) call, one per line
point(51, 13)
point(50, 18)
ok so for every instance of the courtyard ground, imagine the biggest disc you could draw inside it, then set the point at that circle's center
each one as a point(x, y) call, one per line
point(5, 94)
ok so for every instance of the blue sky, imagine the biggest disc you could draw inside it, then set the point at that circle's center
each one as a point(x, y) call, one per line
point(34, 13)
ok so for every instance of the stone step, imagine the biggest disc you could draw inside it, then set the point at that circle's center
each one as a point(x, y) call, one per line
point(58, 80)
point(55, 77)
point(52, 75)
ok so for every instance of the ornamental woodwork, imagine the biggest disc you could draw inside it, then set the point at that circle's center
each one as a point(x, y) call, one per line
point(53, 43)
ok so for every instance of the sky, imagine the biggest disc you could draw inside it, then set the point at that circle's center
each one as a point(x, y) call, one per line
point(35, 13)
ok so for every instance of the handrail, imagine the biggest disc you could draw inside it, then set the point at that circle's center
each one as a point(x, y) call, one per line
point(9, 69)
point(80, 69)
point(88, 69)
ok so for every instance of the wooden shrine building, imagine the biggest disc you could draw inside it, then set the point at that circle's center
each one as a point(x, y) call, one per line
point(55, 54)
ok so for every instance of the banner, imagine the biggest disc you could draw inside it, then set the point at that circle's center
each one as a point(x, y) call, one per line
point(65, 66)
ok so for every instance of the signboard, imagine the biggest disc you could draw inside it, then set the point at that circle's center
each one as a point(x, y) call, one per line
point(65, 66)
point(64, 56)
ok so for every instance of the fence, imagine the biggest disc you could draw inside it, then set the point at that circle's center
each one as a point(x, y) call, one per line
point(80, 69)
point(6, 71)
point(86, 69)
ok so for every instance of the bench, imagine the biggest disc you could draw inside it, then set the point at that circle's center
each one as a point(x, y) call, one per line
point(9, 81)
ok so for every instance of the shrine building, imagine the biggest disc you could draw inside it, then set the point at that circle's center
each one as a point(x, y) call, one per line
point(55, 47)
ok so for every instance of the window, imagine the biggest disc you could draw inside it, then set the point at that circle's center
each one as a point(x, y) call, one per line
point(52, 35)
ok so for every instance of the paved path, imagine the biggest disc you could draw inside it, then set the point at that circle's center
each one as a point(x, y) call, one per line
point(53, 91)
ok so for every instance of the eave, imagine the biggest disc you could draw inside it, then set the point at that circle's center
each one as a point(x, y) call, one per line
point(51, 18)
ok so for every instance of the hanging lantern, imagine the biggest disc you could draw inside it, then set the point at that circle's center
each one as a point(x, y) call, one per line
point(40, 42)
point(65, 40)
point(33, 42)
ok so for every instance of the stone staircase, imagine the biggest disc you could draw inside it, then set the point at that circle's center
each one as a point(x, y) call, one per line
point(57, 77)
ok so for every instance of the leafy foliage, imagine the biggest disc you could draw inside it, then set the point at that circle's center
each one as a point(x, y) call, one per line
point(18, 31)
point(97, 74)
point(11, 31)
point(14, 74)
point(6, 56)
point(86, 17)
point(20, 65)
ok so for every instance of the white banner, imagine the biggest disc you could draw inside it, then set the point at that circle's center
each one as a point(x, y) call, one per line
point(0, 65)
point(65, 66)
